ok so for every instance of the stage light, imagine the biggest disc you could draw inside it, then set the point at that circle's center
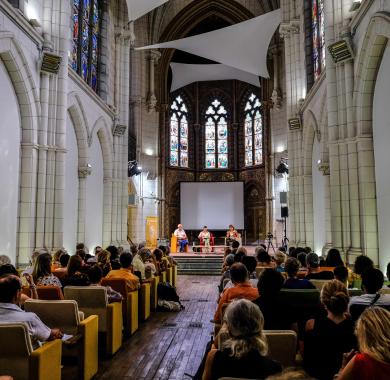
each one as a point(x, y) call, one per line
point(133, 168)
point(149, 152)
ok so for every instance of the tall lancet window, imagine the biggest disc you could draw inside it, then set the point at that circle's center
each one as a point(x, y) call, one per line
point(179, 133)
point(216, 136)
point(84, 57)
point(318, 35)
point(253, 127)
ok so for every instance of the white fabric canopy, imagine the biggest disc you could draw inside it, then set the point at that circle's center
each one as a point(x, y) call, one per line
point(138, 8)
point(243, 46)
point(183, 74)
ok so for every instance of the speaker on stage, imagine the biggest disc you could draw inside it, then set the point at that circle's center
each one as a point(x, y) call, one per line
point(284, 211)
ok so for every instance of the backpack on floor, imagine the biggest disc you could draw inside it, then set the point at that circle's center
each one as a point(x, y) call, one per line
point(166, 292)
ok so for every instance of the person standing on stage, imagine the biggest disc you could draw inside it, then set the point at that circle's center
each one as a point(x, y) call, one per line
point(231, 235)
point(181, 237)
point(205, 236)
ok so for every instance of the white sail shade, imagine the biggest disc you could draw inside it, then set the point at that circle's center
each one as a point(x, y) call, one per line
point(139, 8)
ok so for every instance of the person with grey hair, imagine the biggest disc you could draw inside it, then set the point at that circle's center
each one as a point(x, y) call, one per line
point(4, 259)
point(244, 353)
point(314, 270)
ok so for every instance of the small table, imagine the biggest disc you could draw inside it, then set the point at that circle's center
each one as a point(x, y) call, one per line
point(214, 248)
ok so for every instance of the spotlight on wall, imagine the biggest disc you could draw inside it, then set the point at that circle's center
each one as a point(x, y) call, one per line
point(50, 63)
point(294, 123)
point(133, 168)
point(341, 51)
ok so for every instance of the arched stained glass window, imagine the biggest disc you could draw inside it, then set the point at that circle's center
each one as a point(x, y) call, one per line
point(84, 57)
point(253, 127)
point(179, 133)
point(318, 35)
point(216, 136)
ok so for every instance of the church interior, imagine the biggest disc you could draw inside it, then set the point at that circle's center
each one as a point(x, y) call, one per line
point(194, 189)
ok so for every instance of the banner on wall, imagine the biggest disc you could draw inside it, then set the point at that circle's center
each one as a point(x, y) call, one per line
point(151, 231)
point(243, 45)
point(139, 8)
point(184, 74)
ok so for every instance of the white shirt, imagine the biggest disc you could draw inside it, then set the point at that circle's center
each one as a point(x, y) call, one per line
point(38, 331)
point(180, 234)
point(139, 266)
point(366, 299)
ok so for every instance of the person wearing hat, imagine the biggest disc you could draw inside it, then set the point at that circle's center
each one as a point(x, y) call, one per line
point(314, 271)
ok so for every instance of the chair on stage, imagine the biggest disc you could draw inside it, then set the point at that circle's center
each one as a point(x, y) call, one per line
point(212, 243)
point(175, 244)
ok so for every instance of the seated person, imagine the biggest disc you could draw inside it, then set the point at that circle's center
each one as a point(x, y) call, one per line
point(42, 272)
point(240, 254)
point(64, 259)
point(263, 258)
point(276, 315)
point(250, 265)
point(125, 272)
point(139, 261)
point(373, 359)
point(229, 261)
point(362, 263)
point(293, 282)
point(10, 312)
point(333, 258)
point(302, 260)
point(9, 269)
point(205, 238)
point(279, 259)
point(232, 235)
point(74, 273)
point(341, 274)
point(372, 283)
point(181, 237)
point(95, 275)
point(104, 261)
point(235, 245)
point(242, 289)
point(328, 337)
point(114, 257)
point(161, 264)
point(244, 354)
point(314, 271)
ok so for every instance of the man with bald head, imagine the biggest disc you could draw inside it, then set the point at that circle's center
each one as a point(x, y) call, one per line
point(181, 237)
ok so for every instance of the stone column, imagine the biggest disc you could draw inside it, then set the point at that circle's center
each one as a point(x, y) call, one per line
point(83, 172)
point(154, 56)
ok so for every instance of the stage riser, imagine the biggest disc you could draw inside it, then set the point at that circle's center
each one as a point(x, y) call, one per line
point(199, 265)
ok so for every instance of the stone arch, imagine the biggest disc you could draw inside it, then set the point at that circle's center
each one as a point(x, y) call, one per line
point(18, 69)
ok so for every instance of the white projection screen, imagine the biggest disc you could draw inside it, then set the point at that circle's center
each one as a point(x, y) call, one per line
point(215, 205)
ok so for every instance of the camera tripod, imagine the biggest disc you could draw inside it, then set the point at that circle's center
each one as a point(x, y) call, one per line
point(269, 243)
point(285, 240)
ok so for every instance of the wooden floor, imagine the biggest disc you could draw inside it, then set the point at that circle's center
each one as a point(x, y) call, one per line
point(168, 345)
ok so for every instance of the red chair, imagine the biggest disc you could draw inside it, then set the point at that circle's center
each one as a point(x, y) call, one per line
point(50, 293)
point(212, 242)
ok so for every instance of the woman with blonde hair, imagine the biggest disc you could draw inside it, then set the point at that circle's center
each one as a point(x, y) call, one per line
point(244, 353)
point(104, 261)
point(373, 359)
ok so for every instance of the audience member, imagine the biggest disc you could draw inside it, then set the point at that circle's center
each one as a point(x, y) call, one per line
point(64, 260)
point(56, 259)
point(373, 359)
point(42, 272)
point(229, 261)
point(74, 274)
point(302, 260)
point(308, 250)
point(262, 257)
point(139, 263)
point(114, 257)
point(314, 270)
point(10, 312)
point(276, 315)
point(361, 264)
point(82, 254)
point(372, 282)
point(33, 257)
point(104, 261)
point(161, 265)
point(134, 249)
point(293, 282)
point(4, 259)
point(341, 274)
point(329, 337)
point(242, 288)
point(95, 275)
point(125, 272)
point(243, 355)
point(239, 254)
point(280, 259)
point(250, 264)
point(290, 250)
point(291, 374)
point(333, 258)
point(235, 244)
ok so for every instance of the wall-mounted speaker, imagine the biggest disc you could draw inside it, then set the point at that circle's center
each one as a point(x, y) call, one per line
point(283, 197)
point(284, 212)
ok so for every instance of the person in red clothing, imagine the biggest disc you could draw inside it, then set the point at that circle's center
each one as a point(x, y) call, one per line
point(242, 288)
point(373, 360)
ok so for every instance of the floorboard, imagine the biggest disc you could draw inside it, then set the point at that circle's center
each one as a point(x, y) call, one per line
point(168, 345)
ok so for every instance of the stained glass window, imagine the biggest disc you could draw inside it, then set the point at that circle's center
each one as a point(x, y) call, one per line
point(84, 57)
point(253, 128)
point(318, 35)
point(179, 133)
point(216, 136)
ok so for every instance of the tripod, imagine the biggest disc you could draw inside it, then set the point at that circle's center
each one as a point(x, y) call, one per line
point(285, 240)
point(270, 245)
